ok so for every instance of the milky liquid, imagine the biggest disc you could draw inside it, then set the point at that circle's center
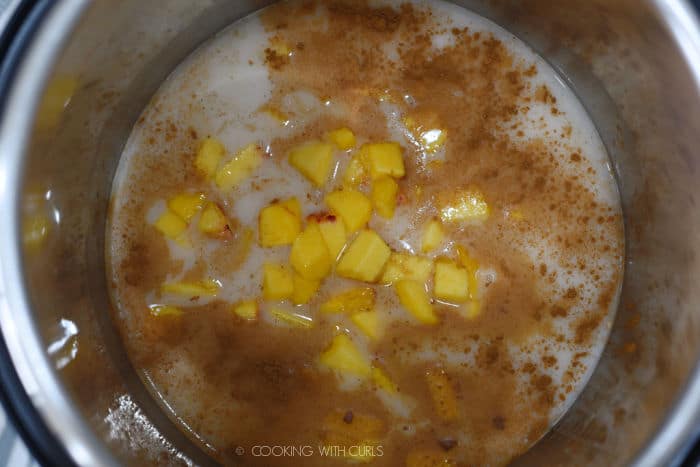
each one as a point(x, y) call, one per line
point(223, 90)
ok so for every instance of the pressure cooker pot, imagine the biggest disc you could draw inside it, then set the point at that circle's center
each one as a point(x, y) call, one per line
point(76, 75)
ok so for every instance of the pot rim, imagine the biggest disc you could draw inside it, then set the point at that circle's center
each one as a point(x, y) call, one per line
point(29, 386)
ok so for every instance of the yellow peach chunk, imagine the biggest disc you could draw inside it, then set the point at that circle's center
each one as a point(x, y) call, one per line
point(351, 301)
point(162, 311)
point(415, 300)
point(247, 310)
point(314, 161)
point(203, 288)
point(472, 267)
point(426, 135)
point(369, 323)
point(451, 282)
point(171, 225)
point(402, 266)
point(443, 394)
point(334, 234)
point(344, 357)
point(356, 172)
point(432, 237)
point(464, 206)
point(213, 220)
point(466, 260)
point(208, 157)
point(278, 225)
point(240, 167)
point(384, 159)
point(309, 255)
point(343, 138)
point(425, 131)
point(365, 258)
point(352, 206)
point(433, 139)
point(384, 191)
point(186, 205)
point(291, 319)
point(293, 205)
point(382, 381)
point(278, 282)
point(245, 241)
point(429, 458)
point(304, 289)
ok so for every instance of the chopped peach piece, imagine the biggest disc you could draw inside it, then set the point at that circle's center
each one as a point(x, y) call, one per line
point(351, 301)
point(343, 138)
point(443, 394)
point(278, 225)
point(344, 357)
point(310, 256)
point(426, 134)
point(466, 260)
point(247, 310)
point(415, 300)
point(465, 206)
point(352, 206)
point(304, 289)
point(208, 157)
point(384, 191)
point(161, 311)
point(472, 267)
point(186, 205)
point(212, 221)
point(432, 236)
point(356, 171)
point(294, 320)
point(278, 282)
point(171, 225)
point(384, 159)
point(451, 282)
point(365, 258)
point(369, 323)
point(204, 288)
point(240, 167)
point(383, 381)
point(313, 160)
point(293, 205)
point(334, 234)
point(402, 266)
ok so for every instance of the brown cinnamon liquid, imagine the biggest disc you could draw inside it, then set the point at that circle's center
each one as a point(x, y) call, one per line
point(550, 254)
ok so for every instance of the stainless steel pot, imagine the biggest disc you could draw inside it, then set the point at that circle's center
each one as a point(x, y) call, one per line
point(76, 78)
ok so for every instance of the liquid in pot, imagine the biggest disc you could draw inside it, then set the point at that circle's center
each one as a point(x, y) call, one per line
point(383, 232)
